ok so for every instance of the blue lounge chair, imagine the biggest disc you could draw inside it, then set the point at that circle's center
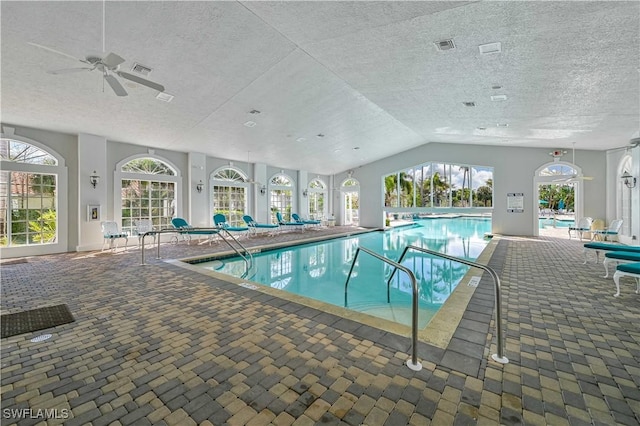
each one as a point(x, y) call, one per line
point(254, 226)
point(619, 257)
point(611, 232)
point(296, 217)
point(220, 221)
point(627, 270)
point(186, 231)
point(281, 222)
point(598, 247)
point(583, 225)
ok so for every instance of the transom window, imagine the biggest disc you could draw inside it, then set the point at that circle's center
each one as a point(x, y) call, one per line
point(149, 195)
point(28, 199)
point(229, 195)
point(440, 185)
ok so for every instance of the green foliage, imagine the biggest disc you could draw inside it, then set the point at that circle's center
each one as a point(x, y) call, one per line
point(44, 228)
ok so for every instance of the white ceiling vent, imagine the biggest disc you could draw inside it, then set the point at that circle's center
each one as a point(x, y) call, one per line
point(141, 69)
point(250, 123)
point(469, 104)
point(445, 44)
point(498, 98)
point(490, 48)
point(164, 97)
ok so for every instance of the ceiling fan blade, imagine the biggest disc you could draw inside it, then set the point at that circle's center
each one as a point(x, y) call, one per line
point(140, 80)
point(57, 52)
point(115, 85)
point(68, 70)
point(112, 60)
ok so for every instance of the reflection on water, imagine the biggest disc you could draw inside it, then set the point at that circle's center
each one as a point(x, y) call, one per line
point(319, 270)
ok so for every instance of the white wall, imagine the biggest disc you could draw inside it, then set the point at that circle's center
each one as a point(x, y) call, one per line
point(514, 168)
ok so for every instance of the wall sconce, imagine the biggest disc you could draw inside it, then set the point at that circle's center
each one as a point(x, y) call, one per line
point(199, 186)
point(305, 193)
point(94, 179)
point(263, 190)
point(629, 181)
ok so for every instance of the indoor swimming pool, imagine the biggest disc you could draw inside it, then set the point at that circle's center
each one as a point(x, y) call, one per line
point(319, 270)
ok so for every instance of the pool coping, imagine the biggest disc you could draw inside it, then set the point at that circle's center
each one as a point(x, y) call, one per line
point(438, 333)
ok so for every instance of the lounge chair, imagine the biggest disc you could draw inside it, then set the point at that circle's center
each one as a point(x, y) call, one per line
point(220, 221)
point(255, 226)
point(186, 231)
point(611, 232)
point(281, 222)
point(296, 217)
point(583, 225)
point(627, 270)
point(598, 247)
point(112, 234)
point(619, 257)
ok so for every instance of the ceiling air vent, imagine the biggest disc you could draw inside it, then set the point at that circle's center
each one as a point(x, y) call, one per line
point(140, 69)
point(469, 104)
point(445, 45)
point(490, 48)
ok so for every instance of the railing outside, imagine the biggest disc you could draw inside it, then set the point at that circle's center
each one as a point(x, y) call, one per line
point(412, 363)
point(499, 357)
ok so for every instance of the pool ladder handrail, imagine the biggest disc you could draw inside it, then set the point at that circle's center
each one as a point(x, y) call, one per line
point(412, 363)
point(248, 258)
point(499, 357)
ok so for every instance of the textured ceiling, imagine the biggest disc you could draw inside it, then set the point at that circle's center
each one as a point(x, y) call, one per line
point(365, 75)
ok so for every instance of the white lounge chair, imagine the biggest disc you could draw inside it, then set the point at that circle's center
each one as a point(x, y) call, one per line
point(583, 225)
point(627, 270)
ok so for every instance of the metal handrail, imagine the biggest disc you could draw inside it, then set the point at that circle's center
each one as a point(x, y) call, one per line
point(499, 357)
point(248, 261)
point(412, 363)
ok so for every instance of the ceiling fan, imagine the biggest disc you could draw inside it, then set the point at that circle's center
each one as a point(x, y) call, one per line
point(574, 177)
point(108, 65)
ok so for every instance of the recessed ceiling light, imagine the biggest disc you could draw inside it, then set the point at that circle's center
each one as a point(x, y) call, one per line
point(250, 123)
point(496, 87)
point(447, 44)
point(469, 104)
point(502, 125)
point(300, 140)
point(490, 48)
point(164, 97)
point(497, 98)
point(481, 128)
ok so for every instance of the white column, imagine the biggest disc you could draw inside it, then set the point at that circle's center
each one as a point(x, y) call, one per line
point(92, 157)
point(200, 213)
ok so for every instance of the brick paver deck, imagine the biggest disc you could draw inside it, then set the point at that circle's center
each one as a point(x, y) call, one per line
point(159, 345)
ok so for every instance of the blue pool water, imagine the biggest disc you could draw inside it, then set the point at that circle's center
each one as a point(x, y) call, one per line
point(319, 270)
point(549, 222)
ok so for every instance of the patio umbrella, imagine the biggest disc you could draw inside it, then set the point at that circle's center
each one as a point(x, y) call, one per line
point(543, 202)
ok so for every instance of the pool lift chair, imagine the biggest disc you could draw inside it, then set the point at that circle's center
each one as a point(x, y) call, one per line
point(112, 234)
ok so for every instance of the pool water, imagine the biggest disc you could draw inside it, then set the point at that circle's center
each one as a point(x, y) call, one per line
point(319, 270)
point(557, 223)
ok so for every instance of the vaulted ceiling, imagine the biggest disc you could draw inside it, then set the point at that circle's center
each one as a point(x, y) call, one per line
point(329, 85)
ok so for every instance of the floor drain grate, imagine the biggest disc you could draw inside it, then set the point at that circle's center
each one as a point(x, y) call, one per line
point(41, 338)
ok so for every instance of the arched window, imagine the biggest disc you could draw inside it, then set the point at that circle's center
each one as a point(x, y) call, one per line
point(351, 201)
point(229, 188)
point(148, 189)
point(28, 194)
point(281, 196)
point(317, 194)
